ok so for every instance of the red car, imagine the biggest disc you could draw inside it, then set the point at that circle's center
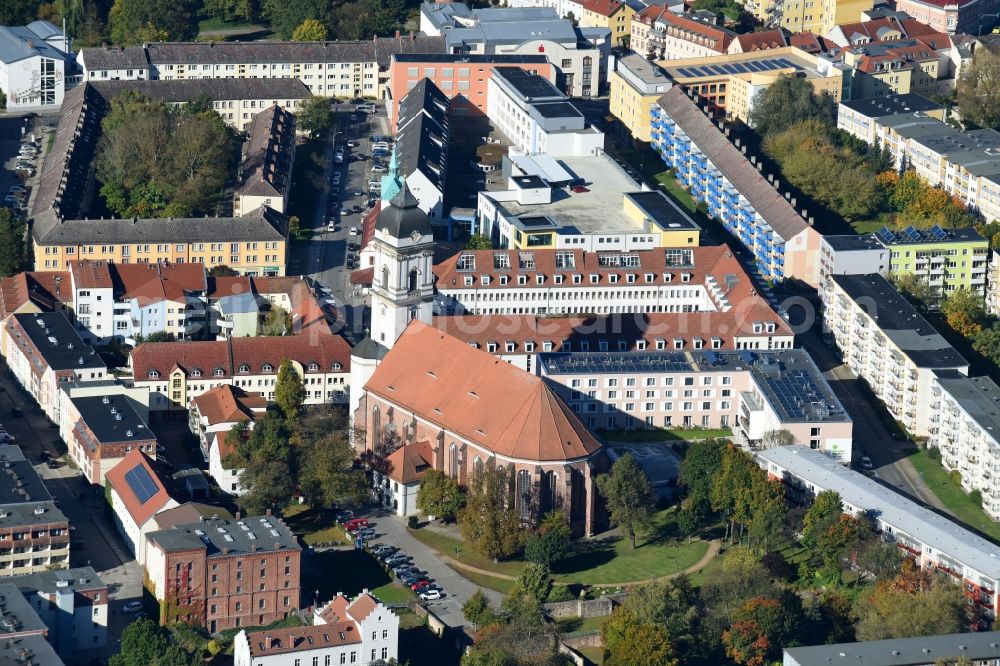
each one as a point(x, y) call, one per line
point(420, 585)
point(579, 189)
point(356, 523)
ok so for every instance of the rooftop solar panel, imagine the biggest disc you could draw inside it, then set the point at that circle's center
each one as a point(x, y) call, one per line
point(746, 356)
point(141, 483)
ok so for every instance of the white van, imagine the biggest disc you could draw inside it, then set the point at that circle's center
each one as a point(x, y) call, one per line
point(365, 108)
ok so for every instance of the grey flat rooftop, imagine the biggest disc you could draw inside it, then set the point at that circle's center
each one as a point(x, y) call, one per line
point(14, 651)
point(916, 126)
point(890, 105)
point(557, 110)
point(790, 380)
point(642, 69)
point(527, 84)
point(900, 321)
point(78, 579)
point(19, 482)
point(112, 421)
point(263, 533)
point(902, 651)
point(935, 234)
point(978, 396)
point(853, 242)
point(902, 514)
point(661, 210)
point(16, 610)
point(58, 342)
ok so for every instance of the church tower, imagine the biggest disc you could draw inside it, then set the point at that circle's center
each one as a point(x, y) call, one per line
point(403, 284)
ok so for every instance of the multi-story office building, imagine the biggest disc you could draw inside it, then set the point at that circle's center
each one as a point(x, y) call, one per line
point(222, 574)
point(73, 606)
point(754, 393)
point(335, 68)
point(948, 259)
point(42, 350)
point(266, 171)
point(462, 78)
point(176, 372)
point(729, 83)
point(33, 66)
point(886, 342)
point(636, 84)
point(34, 533)
point(580, 203)
point(965, 428)
point(952, 16)
point(861, 117)
point(851, 254)
point(660, 34)
point(783, 243)
point(537, 118)
point(931, 540)
point(579, 55)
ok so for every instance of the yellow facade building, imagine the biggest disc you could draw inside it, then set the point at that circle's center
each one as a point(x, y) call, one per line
point(611, 14)
point(636, 84)
point(816, 16)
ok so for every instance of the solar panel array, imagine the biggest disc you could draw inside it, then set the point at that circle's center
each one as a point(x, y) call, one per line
point(912, 235)
point(750, 66)
point(628, 362)
point(886, 236)
point(141, 483)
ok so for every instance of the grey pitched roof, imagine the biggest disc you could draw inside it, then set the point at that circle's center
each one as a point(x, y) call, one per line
point(378, 50)
point(114, 57)
point(422, 133)
point(916, 651)
point(58, 341)
point(265, 168)
point(18, 43)
point(732, 163)
point(369, 349)
point(186, 90)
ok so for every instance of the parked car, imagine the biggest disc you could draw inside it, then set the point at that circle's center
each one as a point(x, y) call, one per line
point(346, 514)
point(866, 462)
point(356, 522)
point(580, 189)
point(331, 226)
point(17, 189)
point(420, 585)
point(353, 231)
point(431, 595)
point(132, 607)
point(379, 169)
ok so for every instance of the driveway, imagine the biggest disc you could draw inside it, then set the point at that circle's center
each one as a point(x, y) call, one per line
point(459, 589)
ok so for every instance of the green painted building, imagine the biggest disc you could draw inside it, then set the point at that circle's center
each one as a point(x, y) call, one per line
point(948, 259)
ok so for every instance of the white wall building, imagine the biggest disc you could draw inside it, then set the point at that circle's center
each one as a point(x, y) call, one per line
point(886, 342)
point(33, 66)
point(137, 495)
point(211, 417)
point(537, 118)
point(852, 254)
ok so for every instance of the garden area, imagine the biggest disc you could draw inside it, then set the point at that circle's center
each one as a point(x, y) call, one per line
point(967, 508)
point(315, 526)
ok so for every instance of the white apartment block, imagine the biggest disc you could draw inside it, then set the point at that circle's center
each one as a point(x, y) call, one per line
point(753, 393)
point(851, 254)
point(931, 540)
point(886, 342)
point(965, 428)
point(537, 118)
point(73, 605)
point(33, 66)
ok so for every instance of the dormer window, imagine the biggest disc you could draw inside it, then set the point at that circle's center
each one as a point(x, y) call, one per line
point(594, 278)
point(313, 367)
point(529, 346)
point(522, 279)
point(491, 347)
point(196, 373)
point(558, 279)
point(219, 372)
point(244, 368)
point(468, 280)
point(630, 278)
point(510, 347)
point(613, 279)
point(153, 374)
point(267, 367)
point(539, 279)
point(336, 367)
point(577, 279)
point(650, 277)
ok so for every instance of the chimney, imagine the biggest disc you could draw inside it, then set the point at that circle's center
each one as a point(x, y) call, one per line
point(736, 142)
point(805, 212)
point(793, 202)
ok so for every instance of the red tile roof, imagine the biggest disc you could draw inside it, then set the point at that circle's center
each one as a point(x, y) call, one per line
point(690, 30)
point(602, 7)
point(808, 42)
point(140, 511)
point(409, 463)
point(472, 393)
point(898, 54)
point(45, 288)
point(761, 41)
point(230, 355)
point(229, 404)
point(362, 607)
point(147, 283)
point(341, 609)
point(368, 224)
point(363, 276)
point(282, 641)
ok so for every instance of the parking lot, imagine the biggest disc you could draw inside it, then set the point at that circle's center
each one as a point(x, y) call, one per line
point(10, 143)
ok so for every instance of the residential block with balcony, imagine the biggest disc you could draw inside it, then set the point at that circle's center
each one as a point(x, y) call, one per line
point(886, 342)
point(948, 259)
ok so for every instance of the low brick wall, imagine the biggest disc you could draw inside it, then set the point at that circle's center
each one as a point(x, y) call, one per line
point(591, 640)
point(582, 608)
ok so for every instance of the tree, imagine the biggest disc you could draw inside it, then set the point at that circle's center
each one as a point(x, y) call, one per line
point(309, 30)
point(788, 101)
point(900, 608)
point(18, 12)
point(384, 444)
point(627, 643)
point(477, 609)
point(521, 635)
point(276, 322)
point(326, 473)
point(264, 459)
point(822, 514)
point(478, 242)
point(774, 438)
point(144, 643)
point(550, 542)
point(222, 270)
point(761, 627)
point(284, 17)
point(489, 522)
point(700, 463)
point(534, 581)
point(439, 495)
point(916, 290)
point(313, 116)
point(289, 394)
point(12, 252)
point(672, 605)
point(979, 89)
point(133, 21)
point(964, 312)
point(628, 495)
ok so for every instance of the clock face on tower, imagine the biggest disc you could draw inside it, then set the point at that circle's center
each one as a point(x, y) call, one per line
point(415, 236)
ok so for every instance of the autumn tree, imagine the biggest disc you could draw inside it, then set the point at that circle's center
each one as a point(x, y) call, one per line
point(629, 642)
point(964, 311)
point(914, 603)
point(670, 605)
point(743, 493)
point(788, 101)
point(439, 495)
point(477, 609)
point(822, 514)
point(979, 89)
point(629, 496)
point(761, 627)
point(289, 393)
point(12, 259)
point(490, 522)
point(309, 30)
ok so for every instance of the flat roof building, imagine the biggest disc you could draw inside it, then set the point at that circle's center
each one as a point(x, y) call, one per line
point(977, 647)
point(851, 254)
point(636, 84)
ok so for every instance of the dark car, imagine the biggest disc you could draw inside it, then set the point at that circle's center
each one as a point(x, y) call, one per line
point(356, 209)
point(16, 411)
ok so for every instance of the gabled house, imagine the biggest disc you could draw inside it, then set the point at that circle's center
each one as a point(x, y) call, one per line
point(138, 492)
point(211, 417)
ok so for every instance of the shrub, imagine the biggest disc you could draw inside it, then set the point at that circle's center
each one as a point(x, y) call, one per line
point(560, 593)
point(412, 522)
point(934, 453)
point(976, 497)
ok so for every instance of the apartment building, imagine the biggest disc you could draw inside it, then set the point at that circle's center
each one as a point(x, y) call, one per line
point(312, 314)
point(537, 118)
point(982, 647)
point(753, 393)
point(965, 428)
point(860, 117)
point(659, 34)
point(34, 533)
point(462, 78)
point(886, 342)
point(952, 16)
point(615, 15)
point(580, 203)
point(579, 55)
point(265, 174)
point(917, 65)
point(931, 540)
point(176, 372)
point(237, 101)
point(43, 350)
point(33, 66)
point(729, 83)
point(762, 40)
point(800, 16)
point(993, 285)
point(221, 573)
point(888, 27)
point(420, 154)
point(336, 68)
point(73, 606)
point(102, 430)
point(139, 491)
point(782, 241)
point(212, 416)
point(948, 259)
point(851, 254)
point(24, 638)
point(636, 84)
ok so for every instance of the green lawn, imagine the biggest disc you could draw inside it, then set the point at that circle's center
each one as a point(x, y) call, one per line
point(314, 526)
point(307, 183)
point(594, 655)
point(883, 219)
point(604, 561)
point(575, 626)
point(952, 495)
point(501, 585)
point(661, 435)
